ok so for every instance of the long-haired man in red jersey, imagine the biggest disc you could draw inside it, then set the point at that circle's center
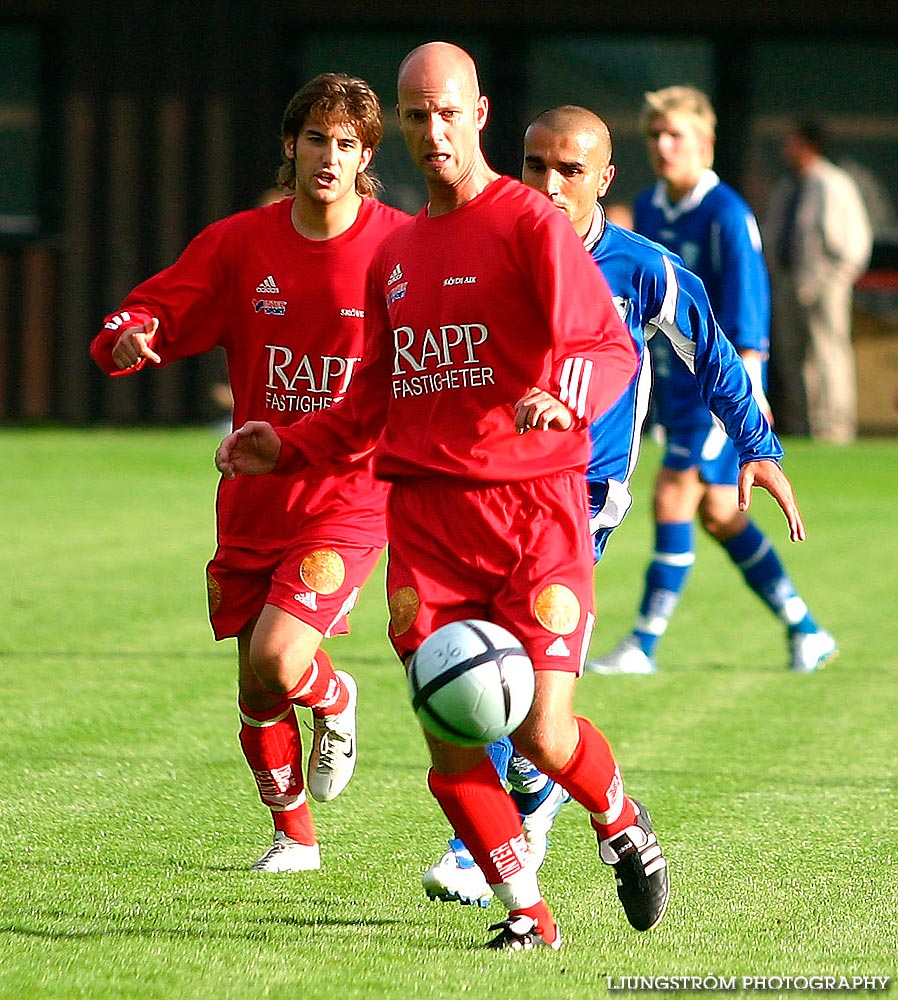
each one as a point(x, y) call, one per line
point(281, 288)
point(492, 342)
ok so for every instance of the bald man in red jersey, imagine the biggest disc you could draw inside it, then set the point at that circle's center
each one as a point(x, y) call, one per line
point(492, 343)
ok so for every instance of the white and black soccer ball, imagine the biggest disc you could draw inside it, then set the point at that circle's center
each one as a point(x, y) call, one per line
point(471, 682)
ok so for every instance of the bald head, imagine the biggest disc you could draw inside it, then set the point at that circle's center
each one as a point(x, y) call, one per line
point(567, 156)
point(441, 115)
point(441, 61)
point(570, 120)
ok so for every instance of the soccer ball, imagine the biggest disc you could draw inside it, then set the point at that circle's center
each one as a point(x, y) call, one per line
point(471, 682)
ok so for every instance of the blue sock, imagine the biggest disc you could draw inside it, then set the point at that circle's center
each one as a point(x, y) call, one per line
point(530, 787)
point(463, 857)
point(499, 752)
point(756, 559)
point(664, 580)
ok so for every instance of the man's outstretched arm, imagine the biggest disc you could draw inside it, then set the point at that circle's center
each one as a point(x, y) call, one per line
point(771, 477)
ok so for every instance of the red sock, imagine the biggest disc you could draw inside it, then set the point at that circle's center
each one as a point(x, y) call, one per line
point(296, 824)
point(273, 750)
point(593, 779)
point(545, 922)
point(485, 818)
point(320, 688)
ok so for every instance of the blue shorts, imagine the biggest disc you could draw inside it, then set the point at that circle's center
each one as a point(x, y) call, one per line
point(609, 501)
point(707, 449)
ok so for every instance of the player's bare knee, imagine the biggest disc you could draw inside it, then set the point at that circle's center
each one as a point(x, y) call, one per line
point(721, 524)
point(712, 525)
point(545, 743)
point(278, 673)
point(253, 695)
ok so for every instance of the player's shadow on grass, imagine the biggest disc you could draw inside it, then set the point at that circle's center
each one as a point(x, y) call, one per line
point(337, 922)
point(257, 930)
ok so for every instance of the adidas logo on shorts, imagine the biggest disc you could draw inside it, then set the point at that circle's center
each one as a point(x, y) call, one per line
point(308, 600)
point(558, 648)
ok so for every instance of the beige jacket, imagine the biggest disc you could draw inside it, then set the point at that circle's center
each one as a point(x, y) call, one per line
point(832, 238)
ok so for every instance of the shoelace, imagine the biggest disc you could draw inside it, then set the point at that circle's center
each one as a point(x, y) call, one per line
point(326, 744)
point(278, 847)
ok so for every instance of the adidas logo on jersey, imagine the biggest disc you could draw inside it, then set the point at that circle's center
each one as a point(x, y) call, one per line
point(307, 600)
point(268, 286)
point(558, 648)
point(396, 275)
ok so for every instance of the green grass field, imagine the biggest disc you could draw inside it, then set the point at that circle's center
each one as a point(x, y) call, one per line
point(129, 817)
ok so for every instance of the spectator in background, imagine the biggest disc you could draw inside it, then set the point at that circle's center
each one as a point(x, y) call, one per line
point(619, 213)
point(876, 197)
point(818, 243)
point(270, 195)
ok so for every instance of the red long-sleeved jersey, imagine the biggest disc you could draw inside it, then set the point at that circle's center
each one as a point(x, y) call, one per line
point(289, 313)
point(464, 312)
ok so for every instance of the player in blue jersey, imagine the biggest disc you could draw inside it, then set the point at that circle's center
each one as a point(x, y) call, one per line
point(567, 156)
point(691, 212)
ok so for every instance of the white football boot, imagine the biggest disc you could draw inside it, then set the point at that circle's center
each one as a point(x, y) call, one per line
point(456, 877)
point(333, 754)
point(628, 658)
point(810, 651)
point(285, 855)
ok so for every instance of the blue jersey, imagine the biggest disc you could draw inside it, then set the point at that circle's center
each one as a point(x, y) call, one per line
point(655, 294)
point(716, 235)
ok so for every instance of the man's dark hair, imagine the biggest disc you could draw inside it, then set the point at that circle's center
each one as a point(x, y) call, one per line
point(811, 132)
point(335, 98)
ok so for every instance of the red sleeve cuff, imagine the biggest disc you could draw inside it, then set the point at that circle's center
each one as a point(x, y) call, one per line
point(291, 459)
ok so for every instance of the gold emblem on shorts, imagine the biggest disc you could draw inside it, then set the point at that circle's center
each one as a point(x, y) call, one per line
point(213, 589)
point(323, 571)
point(557, 609)
point(404, 604)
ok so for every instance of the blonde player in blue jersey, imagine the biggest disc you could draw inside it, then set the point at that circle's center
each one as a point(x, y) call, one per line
point(567, 156)
point(692, 212)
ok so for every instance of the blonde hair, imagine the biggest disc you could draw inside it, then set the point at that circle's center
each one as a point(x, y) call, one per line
point(681, 100)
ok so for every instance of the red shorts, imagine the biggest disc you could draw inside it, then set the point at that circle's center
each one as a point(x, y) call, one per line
point(517, 554)
point(317, 582)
